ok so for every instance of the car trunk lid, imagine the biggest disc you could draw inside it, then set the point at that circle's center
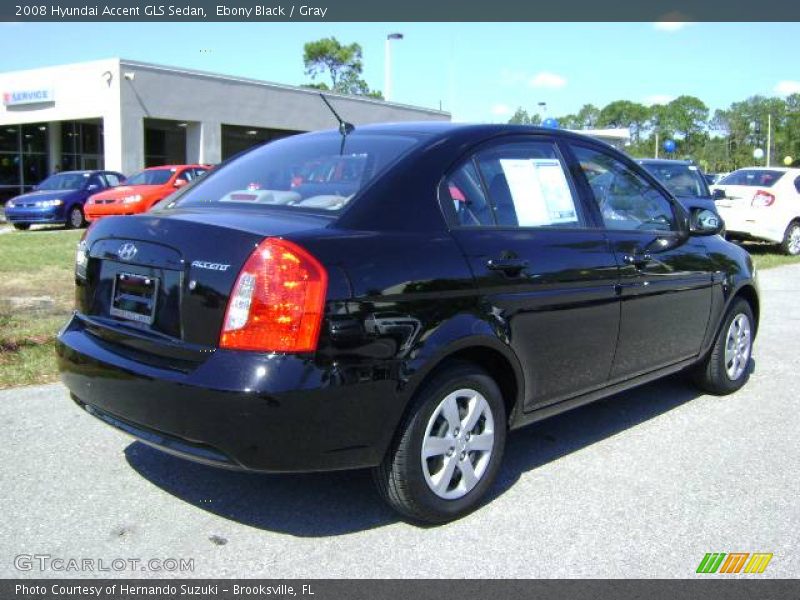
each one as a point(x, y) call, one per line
point(158, 280)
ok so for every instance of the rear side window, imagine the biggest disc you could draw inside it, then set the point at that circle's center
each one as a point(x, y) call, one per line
point(797, 184)
point(465, 191)
point(320, 172)
point(753, 177)
point(112, 179)
point(527, 186)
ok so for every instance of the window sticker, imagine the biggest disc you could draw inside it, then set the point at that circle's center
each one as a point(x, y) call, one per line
point(540, 191)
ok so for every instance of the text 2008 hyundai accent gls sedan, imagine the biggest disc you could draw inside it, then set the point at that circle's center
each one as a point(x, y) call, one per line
point(438, 286)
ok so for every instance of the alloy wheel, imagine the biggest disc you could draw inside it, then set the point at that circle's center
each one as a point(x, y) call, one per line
point(738, 343)
point(793, 243)
point(458, 444)
point(75, 218)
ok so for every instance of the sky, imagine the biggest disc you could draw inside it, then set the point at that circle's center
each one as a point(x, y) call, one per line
point(476, 71)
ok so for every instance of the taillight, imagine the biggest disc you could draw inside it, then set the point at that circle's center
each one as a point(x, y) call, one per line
point(763, 198)
point(82, 253)
point(278, 301)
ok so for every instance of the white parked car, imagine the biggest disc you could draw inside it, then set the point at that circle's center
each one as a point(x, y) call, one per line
point(763, 204)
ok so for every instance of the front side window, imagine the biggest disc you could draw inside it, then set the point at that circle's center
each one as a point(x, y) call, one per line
point(97, 181)
point(528, 187)
point(625, 199)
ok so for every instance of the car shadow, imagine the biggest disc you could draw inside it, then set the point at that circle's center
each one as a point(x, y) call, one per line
point(329, 504)
point(43, 228)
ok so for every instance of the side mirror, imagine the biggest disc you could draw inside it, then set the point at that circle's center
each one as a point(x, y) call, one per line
point(180, 183)
point(717, 194)
point(705, 222)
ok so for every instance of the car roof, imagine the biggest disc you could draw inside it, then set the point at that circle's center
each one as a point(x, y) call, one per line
point(664, 161)
point(781, 169)
point(442, 129)
point(159, 167)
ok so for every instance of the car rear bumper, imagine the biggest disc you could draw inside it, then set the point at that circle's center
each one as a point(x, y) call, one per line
point(245, 410)
point(744, 224)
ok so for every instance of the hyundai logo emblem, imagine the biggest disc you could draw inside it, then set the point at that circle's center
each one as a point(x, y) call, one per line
point(127, 251)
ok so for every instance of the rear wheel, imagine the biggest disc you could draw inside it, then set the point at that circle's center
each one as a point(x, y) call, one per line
point(726, 368)
point(22, 226)
point(449, 447)
point(791, 239)
point(75, 219)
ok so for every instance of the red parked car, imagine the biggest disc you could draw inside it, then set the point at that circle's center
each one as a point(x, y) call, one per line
point(141, 191)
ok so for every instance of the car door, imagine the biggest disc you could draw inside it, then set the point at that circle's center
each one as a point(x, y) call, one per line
point(543, 268)
point(666, 276)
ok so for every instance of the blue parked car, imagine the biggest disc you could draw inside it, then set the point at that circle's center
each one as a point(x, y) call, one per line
point(59, 199)
point(684, 179)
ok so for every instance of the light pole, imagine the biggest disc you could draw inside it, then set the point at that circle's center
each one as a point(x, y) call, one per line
point(387, 66)
point(543, 106)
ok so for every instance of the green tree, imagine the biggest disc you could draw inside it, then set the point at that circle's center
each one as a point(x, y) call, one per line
point(342, 63)
point(624, 113)
point(568, 122)
point(686, 118)
point(587, 117)
point(521, 117)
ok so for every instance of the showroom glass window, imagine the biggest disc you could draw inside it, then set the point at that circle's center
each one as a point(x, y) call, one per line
point(626, 200)
point(520, 184)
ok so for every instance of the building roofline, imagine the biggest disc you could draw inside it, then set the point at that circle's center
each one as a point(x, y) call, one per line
point(136, 64)
point(281, 86)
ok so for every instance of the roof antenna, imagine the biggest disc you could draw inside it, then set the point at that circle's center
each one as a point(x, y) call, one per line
point(345, 128)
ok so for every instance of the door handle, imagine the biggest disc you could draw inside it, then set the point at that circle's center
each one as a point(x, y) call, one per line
point(637, 260)
point(510, 266)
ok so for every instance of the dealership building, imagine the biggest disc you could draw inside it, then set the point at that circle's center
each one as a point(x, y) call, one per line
point(123, 115)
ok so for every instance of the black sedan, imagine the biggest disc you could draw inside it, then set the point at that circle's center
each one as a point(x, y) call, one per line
point(436, 286)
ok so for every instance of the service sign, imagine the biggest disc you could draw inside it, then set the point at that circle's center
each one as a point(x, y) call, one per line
point(33, 96)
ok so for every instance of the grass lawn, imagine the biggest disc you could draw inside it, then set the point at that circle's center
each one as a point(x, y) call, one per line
point(36, 298)
point(766, 257)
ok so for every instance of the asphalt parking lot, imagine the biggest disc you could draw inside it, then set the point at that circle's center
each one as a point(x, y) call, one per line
point(639, 485)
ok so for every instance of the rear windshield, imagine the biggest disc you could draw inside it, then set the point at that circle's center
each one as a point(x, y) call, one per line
point(150, 177)
point(752, 177)
point(682, 180)
point(315, 172)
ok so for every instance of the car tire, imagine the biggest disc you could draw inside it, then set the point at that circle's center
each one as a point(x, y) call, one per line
point(462, 463)
point(791, 239)
point(22, 226)
point(726, 368)
point(75, 218)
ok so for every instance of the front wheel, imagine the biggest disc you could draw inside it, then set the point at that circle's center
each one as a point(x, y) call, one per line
point(449, 447)
point(75, 219)
point(726, 367)
point(791, 239)
point(22, 226)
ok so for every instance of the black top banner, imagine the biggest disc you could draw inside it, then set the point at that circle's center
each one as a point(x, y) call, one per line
point(404, 10)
